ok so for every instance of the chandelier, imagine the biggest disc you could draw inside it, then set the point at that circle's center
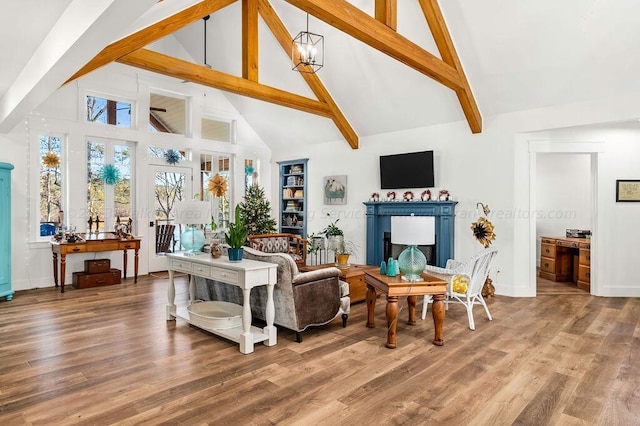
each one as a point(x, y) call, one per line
point(307, 51)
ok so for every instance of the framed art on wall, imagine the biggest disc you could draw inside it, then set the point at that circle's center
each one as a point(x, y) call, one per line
point(335, 189)
point(627, 190)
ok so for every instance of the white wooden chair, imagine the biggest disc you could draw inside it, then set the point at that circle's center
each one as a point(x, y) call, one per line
point(464, 282)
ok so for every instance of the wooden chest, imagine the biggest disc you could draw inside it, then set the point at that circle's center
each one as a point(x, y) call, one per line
point(96, 266)
point(84, 280)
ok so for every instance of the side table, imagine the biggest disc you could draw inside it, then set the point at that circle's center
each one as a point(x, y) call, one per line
point(395, 287)
point(353, 275)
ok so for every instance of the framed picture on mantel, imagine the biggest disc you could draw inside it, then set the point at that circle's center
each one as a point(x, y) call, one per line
point(627, 190)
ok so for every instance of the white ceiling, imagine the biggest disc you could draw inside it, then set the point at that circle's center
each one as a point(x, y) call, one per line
point(516, 54)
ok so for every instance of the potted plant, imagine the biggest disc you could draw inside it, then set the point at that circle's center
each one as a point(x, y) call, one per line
point(334, 234)
point(236, 237)
point(344, 249)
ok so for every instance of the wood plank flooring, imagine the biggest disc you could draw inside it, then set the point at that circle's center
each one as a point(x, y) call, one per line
point(108, 356)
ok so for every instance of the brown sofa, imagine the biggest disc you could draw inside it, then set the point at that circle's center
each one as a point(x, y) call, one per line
point(302, 299)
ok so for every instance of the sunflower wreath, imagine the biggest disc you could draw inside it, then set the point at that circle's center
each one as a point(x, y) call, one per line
point(483, 231)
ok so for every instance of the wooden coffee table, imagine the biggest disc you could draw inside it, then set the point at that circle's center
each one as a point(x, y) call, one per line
point(395, 287)
point(354, 275)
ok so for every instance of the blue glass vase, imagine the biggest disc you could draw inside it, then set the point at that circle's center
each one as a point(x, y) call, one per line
point(192, 240)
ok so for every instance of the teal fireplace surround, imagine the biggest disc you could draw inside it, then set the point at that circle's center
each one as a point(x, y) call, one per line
point(379, 221)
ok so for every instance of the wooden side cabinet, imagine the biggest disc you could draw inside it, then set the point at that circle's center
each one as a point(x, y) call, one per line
point(5, 231)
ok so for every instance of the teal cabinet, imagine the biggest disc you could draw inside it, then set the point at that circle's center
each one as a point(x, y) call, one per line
point(5, 231)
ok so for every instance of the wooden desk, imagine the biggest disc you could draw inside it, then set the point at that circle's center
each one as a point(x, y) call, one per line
point(565, 259)
point(246, 275)
point(394, 287)
point(93, 243)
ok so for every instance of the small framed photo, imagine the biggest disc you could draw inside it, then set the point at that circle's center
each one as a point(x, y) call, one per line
point(627, 190)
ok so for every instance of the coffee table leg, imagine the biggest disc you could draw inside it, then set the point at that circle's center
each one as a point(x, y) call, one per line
point(438, 318)
point(392, 320)
point(371, 306)
point(411, 301)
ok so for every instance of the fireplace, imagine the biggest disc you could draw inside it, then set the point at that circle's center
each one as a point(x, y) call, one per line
point(394, 250)
point(379, 222)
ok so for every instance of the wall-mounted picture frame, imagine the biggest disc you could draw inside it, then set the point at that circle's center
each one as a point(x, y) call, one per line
point(627, 190)
point(335, 189)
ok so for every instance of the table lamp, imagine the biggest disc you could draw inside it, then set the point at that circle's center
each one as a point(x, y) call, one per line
point(412, 231)
point(192, 213)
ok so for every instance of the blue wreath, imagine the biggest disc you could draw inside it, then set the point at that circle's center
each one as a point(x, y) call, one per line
point(110, 174)
point(248, 170)
point(172, 156)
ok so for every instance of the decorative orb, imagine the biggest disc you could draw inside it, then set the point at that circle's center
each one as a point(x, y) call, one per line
point(192, 240)
point(412, 263)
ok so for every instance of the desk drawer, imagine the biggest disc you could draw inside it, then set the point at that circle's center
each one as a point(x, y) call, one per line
point(180, 265)
point(201, 270)
point(547, 265)
point(548, 250)
point(585, 257)
point(584, 273)
point(126, 246)
point(225, 275)
point(564, 243)
point(76, 248)
point(551, 241)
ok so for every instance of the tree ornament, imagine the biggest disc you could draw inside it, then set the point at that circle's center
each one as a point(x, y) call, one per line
point(110, 174)
point(217, 185)
point(51, 160)
point(172, 156)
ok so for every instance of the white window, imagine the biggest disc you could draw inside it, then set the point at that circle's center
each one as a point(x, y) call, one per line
point(110, 196)
point(210, 165)
point(51, 188)
point(108, 111)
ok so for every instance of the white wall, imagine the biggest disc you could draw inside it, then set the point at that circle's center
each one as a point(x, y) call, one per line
point(563, 194)
point(494, 168)
point(62, 113)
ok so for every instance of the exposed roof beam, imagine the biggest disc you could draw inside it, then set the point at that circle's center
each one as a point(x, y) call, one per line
point(183, 70)
point(356, 23)
point(386, 12)
point(447, 50)
point(283, 36)
point(250, 39)
point(151, 33)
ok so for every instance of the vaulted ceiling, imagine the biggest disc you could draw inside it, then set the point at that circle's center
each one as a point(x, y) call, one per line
point(389, 65)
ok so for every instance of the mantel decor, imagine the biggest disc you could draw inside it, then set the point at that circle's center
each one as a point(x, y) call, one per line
point(627, 191)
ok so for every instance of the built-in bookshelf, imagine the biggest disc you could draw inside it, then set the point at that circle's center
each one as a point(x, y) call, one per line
point(293, 197)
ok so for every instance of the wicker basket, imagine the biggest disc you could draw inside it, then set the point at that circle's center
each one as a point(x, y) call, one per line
point(215, 314)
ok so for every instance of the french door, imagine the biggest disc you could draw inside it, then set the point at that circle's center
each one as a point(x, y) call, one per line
point(170, 185)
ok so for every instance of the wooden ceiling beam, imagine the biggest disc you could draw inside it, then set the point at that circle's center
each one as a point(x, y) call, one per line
point(283, 36)
point(386, 11)
point(349, 19)
point(250, 39)
point(183, 70)
point(150, 34)
point(442, 37)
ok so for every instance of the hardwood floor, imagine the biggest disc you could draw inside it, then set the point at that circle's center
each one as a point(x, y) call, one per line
point(106, 355)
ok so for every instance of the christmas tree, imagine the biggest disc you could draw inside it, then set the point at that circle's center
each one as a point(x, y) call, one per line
point(256, 212)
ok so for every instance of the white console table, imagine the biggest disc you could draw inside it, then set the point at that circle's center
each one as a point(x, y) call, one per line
point(246, 275)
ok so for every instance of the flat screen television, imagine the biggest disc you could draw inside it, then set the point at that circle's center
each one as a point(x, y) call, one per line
point(410, 170)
